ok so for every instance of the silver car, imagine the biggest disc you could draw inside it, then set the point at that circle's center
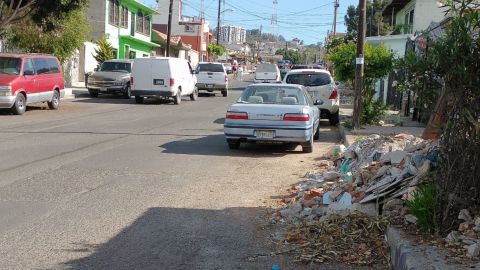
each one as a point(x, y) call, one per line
point(273, 113)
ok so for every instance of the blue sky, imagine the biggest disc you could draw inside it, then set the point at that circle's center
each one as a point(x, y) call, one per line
point(308, 20)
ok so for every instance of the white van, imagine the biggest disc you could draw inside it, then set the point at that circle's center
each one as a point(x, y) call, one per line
point(267, 73)
point(163, 77)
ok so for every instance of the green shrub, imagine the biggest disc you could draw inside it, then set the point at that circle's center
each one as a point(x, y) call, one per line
point(423, 206)
point(373, 112)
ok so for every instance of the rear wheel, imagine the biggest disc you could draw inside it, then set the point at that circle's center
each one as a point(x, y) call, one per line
point(92, 93)
point(178, 98)
point(307, 147)
point(20, 105)
point(225, 92)
point(55, 102)
point(334, 118)
point(194, 95)
point(139, 99)
point(233, 144)
point(128, 92)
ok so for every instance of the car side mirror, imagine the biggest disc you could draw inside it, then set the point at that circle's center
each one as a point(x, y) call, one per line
point(28, 73)
point(318, 102)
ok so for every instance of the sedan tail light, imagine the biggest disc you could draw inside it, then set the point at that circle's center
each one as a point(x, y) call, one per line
point(334, 94)
point(237, 115)
point(302, 117)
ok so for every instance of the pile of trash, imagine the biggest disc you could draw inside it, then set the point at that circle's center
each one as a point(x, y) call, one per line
point(468, 234)
point(352, 239)
point(373, 175)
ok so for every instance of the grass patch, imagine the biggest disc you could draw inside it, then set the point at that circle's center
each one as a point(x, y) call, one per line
point(423, 206)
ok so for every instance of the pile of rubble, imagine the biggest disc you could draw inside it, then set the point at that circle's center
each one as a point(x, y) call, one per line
point(372, 175)
point(468, 234)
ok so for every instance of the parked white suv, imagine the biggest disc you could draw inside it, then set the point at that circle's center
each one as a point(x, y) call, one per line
point(163, 77)
point(211, 77)
point(323, 89)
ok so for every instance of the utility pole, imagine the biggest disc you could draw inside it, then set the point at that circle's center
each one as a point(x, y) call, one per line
point(357, 103)
point(169, 27)
point(218, 21)
point(335, 17)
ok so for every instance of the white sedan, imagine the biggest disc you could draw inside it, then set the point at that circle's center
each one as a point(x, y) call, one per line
point(273, 113)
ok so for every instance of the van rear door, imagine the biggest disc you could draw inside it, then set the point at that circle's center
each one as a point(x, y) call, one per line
point(161, 71)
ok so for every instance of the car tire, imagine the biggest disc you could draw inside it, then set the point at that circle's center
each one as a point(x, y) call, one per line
point(178, 98)
point(317, 132)
point(93, 93)
point(334, 118)
point(291, 146)
point(307, 147)
point(139, 99)
point(128, 92)
point(233, 144)
point(194, 95)
point(55, 102)
point(225, 92)
point(20, 105)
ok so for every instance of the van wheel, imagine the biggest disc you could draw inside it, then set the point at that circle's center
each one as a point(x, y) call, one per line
point(139, 99)
point(334, 118)
point(194, 95)
point(225, 93)
point(55, 102)
point(20, 105)
point(93, 93)
point(178, 98)
point(128, 92)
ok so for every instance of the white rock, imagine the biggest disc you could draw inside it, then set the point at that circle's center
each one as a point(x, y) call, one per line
point(369, 209)
point(465, 215)
point(331, 175)
point(473, 250)
point(411, 219)
point(394, 157)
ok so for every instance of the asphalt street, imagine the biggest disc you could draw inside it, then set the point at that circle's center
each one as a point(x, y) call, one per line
point(105, 183)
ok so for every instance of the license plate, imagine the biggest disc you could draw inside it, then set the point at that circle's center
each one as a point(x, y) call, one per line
point(264, 134)
point(210, 85)
point(158, 82)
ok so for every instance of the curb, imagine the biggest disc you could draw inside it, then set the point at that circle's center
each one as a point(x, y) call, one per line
point(405, 256)
point(343, 135)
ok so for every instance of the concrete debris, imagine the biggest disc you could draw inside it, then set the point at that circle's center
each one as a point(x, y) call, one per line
point(411, 219)
point(473, 250)
point(465, 215)
point(453, 237)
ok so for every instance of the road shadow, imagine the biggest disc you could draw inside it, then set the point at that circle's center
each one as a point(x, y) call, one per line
point(105, 99)
point(30, 108)
point(178, 238)
point(216, 145)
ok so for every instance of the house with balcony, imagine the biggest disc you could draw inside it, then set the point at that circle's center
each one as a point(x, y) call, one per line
point(408, 20)
point(192, 30)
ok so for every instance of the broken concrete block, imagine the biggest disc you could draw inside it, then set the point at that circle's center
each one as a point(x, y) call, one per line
point(477, 221)
point(369, 209)
point(411, 219)
point(331, 175)
point(394, 157)
point(453, 237)
point(465, 215)
point(473, 250)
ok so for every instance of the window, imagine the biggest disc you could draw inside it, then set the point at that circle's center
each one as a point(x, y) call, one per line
point(139, 26)
point(41, 65)
point(309, 79)
point(113, 12)
point(146, 25)
point(273, 95)
point(28, 67)
point(132, 55)
point(116, 66)
point(189, 28)
point(124, 17)
point(409, 15)
point(52, 65)
point(9, 65)
point(210, 68)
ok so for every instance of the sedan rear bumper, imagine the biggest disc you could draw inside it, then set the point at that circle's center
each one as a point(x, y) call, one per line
point(280, 134)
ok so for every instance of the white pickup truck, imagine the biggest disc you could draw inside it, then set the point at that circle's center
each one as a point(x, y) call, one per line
point(211, 77)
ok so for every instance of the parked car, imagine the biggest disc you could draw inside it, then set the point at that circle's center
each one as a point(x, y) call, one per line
point(297, 66)
point(112, 77)
point(228, 68)
point(212, 77)
point(284, 64)
point(28, 78)
point(273, 113)
point(321, 86)
point(163, 77)
point(267, 73)
point(284, 71)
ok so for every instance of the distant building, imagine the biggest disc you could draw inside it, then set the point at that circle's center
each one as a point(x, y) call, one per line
point(230, 34)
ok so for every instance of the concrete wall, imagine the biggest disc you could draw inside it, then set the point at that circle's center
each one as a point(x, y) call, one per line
point(427, 11)
point(96, 18)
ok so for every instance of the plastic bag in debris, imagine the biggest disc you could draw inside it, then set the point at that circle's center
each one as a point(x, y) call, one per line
point(338, 150)
point(346, 170)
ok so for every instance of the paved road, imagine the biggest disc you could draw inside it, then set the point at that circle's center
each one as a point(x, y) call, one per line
point(108, 184)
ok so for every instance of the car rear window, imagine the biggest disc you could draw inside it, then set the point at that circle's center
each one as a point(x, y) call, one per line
point(210, 68)
point(266, 68)
point(266, 94)
point(116, 67)
point(10, 65)
point(309, 79)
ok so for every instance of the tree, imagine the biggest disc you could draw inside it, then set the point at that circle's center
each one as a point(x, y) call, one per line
point(294, 56)
point(104, 51)
point(378, 63)
point(375, 22)
point(61, 42)
point(215, 49)
point(47, 14)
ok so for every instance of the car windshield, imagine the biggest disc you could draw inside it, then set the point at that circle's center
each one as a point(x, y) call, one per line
point(266, 94)
point(10, 65)
point(116, 67)
point(266, 68)
point(309, 79)
point(210, 68)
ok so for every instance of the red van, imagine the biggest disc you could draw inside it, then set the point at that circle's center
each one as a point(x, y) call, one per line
point(30, 78)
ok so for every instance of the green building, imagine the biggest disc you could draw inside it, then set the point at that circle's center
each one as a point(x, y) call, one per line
point(127, 24)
